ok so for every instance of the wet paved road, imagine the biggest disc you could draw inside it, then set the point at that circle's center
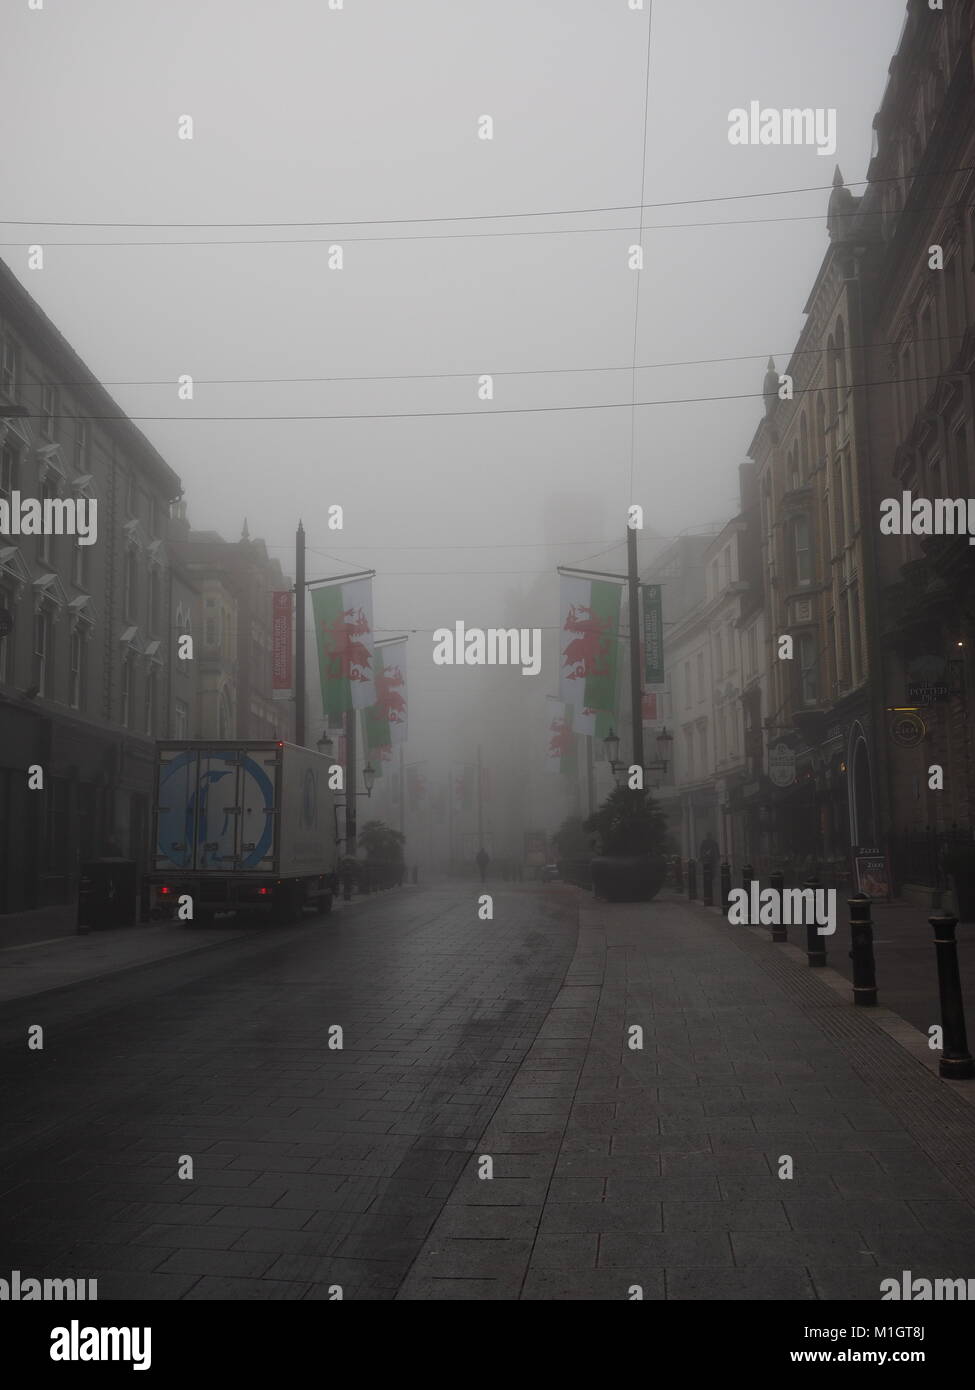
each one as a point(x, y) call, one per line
point(312, 1166)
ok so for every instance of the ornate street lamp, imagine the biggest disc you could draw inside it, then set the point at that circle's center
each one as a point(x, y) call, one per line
point(369, 777)
point(325, 744)
point(612, 745)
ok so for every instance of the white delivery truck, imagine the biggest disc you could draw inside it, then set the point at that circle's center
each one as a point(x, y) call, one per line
point(241, 826)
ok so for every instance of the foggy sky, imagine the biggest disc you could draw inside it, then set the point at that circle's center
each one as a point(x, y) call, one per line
point(369, 114)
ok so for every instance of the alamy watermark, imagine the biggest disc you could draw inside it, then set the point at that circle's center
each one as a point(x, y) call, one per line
point(50, 516)
point(912, 1290)
point(493, 646)
point(77, 1343)
point(19, 1290)
point(924, 516)
point(793, 907)
point(760, 125)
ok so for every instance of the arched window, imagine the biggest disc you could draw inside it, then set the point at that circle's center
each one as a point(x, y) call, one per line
point(841, 377)
point(804, 460)
point(820, 428)
point(802, 555)
point(224, 717)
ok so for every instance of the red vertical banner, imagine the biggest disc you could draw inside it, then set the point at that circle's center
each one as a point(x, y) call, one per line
point(282, 648)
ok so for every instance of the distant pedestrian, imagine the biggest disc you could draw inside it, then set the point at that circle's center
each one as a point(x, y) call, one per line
point(710, 850)
point(482, 861)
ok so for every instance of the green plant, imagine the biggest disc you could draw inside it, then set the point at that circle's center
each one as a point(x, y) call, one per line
point(382, 844)
point(628, 822)
point(571, 840)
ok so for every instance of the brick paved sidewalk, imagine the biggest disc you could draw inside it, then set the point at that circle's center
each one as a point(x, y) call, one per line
point(43, 950)
point(659, 1168)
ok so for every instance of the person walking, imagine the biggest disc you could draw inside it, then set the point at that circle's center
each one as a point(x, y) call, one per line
point(482, 861)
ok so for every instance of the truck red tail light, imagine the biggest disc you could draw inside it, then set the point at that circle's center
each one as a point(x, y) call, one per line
point(263, 892)
point(164, 890)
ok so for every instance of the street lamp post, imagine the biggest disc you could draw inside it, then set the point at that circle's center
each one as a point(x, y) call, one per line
point(658, 764)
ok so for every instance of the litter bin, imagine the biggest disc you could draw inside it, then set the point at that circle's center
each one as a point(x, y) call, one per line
point(107, 894)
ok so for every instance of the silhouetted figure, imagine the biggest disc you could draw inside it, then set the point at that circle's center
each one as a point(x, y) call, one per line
point(710, 851)
point(482, 862)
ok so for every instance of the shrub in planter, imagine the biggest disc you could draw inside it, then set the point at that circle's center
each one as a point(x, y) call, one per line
point(574, 848)
point(631, 835)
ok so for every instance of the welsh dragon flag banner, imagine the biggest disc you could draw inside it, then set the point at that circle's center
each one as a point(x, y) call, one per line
point(384, 723)
point(589, 652)
point(342, 615)
point(560, 754)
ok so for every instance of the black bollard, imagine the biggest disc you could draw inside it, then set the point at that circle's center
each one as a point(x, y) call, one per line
point(861, 953)
point(692, 879)
point(707, 883)
point(815, 944)
point(678, 873)
point(725, 881)
point(956, 1061)
point(414, 873)
point(777, 884)
point(747, 874)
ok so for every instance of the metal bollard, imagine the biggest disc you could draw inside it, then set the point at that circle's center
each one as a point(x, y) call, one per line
point(747, 874)
point(678, 874)
point(707, 883)
point(815, 944)
point(414, 873)
point(692, 879)
point(725, 880)
point(956, 1061)
point(861, 953)
point(777, 884)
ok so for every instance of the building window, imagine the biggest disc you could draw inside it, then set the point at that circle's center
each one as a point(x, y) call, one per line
point(700, 675)
point(130, 593)
point(76, 692)
point(149, 714)
point(126, 694)
point(153, 604)
point(802, 553)
point(6, 642)
point(131, 500)
point(856, 636)
point(960, 442)
point(807, 670)
point(81, 446)
point(688, 698)
point(8, 472)
point(46, 543)
point(49, 410)
point(43, 656)
point(8, 369)
point(181, 720)
point(79, 566)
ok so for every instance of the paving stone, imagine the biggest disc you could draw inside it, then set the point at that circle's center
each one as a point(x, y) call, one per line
point(660, 1251)
point(727, 1285)
point(843, 1214)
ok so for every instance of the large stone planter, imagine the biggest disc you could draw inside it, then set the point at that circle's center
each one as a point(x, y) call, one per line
point(634, 878)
